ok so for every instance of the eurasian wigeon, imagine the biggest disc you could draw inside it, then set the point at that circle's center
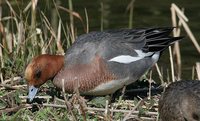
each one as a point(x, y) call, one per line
point(181, 101)
point(99, 63)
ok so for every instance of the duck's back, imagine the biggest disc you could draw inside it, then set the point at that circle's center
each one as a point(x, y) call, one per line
point(106, 44)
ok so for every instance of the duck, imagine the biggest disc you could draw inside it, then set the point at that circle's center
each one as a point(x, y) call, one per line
point(180, 101)
point(100, 63)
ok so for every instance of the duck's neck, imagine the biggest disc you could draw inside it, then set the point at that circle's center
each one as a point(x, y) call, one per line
point(58, 63)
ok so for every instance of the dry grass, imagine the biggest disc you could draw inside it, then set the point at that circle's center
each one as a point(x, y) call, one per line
point(21, 40)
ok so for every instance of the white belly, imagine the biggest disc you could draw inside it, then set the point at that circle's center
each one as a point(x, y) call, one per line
point(109, 87)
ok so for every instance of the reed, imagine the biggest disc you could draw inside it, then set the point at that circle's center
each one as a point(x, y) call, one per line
point(176, 12)
point(130, 8)
point(198, 70)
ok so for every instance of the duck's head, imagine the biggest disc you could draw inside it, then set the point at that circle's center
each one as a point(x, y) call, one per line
point(41, 69)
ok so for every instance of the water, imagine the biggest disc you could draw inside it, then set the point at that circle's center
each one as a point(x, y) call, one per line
point(146, 13)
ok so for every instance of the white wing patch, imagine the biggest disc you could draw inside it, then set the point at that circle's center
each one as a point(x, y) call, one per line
point(142, 54)
point(125, 59)
point(129, 59)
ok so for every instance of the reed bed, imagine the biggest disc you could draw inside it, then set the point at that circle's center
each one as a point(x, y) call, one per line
point(21, 40)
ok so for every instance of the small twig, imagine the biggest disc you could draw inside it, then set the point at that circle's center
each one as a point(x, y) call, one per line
point(183, 19)
point(178, 59)
point(130, 7)
point(173, 13)
point(198, 70)
point(67, 103)
point(1, 75)
point(122, 95)
point(157, 117)
point(150, 81)
point(82, 109)
point(87, 21)
point(179, 12)
point(111, 111)
point(106, 111)
point(177, 50)
point(171, 63)
point(81, 101)
point(27, 7)
point(59, 44)
point(43, 97)
point(16, 87)
point(7, 94)
point(29, 119)
point(189, 32)
point(48, 25)
point(12, 79)
point(159, 73)
point(176, 33)
point(193, 72)
point(14, 109)
point(75, 14)
point(128, 115)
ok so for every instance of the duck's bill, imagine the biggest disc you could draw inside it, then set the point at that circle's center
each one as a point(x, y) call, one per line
point(31, 93)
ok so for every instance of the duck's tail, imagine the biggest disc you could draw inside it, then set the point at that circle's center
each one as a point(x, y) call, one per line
point(158, 39)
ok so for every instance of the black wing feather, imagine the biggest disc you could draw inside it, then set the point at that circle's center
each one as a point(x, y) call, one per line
point(158, 39)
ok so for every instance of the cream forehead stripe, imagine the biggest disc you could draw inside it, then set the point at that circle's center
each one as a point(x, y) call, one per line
point(129, 59)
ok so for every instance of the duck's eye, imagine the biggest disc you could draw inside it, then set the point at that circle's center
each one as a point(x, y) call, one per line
point(37, 73)
point(31, 90)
